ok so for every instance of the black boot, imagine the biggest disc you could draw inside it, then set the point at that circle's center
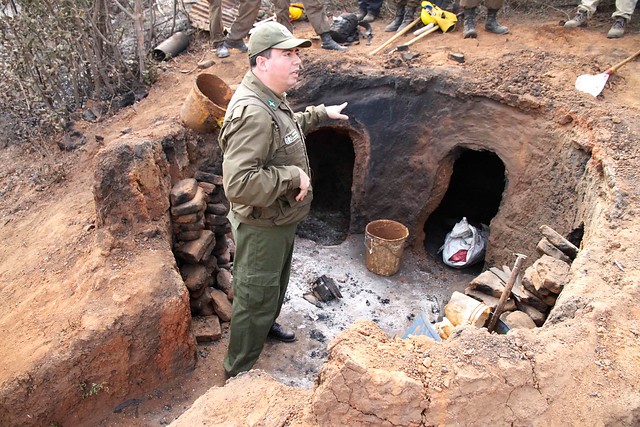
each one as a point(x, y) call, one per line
point(409, 16)
point(330, 44)
point(492, 25)
point(397, 20)
point(469, 28)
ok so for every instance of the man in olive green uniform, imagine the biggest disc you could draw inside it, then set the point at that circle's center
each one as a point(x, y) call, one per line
point(266, 179)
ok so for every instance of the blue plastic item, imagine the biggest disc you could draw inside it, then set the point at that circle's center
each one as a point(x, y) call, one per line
point(422, 326)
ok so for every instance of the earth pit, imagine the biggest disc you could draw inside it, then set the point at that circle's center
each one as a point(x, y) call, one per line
point(566, 164)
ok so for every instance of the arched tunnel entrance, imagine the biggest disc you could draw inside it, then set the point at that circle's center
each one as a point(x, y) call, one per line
point(475, 192)
point(331, 157)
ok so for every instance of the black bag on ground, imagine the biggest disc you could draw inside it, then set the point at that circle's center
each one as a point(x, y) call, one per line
point(344, 29)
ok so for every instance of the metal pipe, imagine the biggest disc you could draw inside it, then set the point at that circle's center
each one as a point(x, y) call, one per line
point(171, 46)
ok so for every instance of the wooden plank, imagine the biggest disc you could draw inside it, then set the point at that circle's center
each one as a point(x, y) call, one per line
point(500, 273)
point(559, 242)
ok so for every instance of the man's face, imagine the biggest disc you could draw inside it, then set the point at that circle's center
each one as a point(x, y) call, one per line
point(283, 68)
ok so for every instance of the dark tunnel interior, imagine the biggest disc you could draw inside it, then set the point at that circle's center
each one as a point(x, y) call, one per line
point(331, 157)
point(475, 192)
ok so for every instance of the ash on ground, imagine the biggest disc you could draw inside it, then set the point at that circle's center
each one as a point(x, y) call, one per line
point(421, 284)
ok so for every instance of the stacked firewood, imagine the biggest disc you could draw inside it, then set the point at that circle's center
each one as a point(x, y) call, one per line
point(534, 293)
point(204, 248)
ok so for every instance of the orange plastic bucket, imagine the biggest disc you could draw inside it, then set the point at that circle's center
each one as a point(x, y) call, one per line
point(384, 240)
point(204, 108)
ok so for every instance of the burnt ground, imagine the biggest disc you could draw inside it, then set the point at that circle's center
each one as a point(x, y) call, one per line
point(49, 266)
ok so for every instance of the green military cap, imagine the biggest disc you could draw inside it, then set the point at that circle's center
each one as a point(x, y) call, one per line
point(273, 35)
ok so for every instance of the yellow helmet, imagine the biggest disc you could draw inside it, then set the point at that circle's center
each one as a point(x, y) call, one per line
point(295, 11)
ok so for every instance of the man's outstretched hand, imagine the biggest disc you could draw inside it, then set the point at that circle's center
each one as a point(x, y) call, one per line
point(335, 111)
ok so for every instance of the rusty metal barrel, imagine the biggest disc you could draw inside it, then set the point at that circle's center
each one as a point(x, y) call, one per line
point(204, 108)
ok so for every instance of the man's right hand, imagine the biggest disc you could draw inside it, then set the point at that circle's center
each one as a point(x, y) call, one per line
point(305, 182)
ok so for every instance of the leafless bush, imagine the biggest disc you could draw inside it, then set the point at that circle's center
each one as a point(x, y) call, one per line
point(56, 54)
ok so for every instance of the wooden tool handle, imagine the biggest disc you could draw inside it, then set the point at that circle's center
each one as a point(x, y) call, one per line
point(394, 38)
point(621, 63)
point(426, 33)
point(506, 293)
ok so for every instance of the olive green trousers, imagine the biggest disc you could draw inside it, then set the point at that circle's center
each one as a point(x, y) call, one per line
point(261, 270)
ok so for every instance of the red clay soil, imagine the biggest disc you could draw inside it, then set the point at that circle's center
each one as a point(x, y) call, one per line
point(94, 316)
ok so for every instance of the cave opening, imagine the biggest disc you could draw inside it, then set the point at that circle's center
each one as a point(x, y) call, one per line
point(331, 157)
point(475, 192)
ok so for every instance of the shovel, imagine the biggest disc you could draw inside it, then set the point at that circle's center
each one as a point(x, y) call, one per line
point(593, 85)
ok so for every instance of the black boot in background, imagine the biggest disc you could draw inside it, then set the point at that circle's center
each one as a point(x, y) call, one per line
point(492, 25)
point(330, 44)
point(409, 17)
point(397, 20)
point(469, 28)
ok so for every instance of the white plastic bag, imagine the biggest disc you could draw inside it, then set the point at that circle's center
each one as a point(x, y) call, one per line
point(464, 245)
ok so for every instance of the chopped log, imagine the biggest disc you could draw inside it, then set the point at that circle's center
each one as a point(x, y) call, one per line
point(217, 209)
point(199, 305)
point(188, 219)
point(208, 251)
point(197, 204)
point(488, 283)
point(224, 280)
point(197, 293)
point(212, 265)
point(193, 251)
point(222, 229)
point(206, 328)
point(210, 219)
point(546, 248)
point(489, 300)
point(195, 276)
point(221, 304)
point(524, 297)
point(183, 191)
point(531, 277)
point(194, 226)
point(221, 244)
point(187, 236)
point(209, 177)
point(225, 257)
point(568, 248)
point(553, 274)
point(208, 188)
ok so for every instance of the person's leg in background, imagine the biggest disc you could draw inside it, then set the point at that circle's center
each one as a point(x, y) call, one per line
point(622, 15)
point(216, 30)
point(317, 15)
point(247, 14)
point(398, 17)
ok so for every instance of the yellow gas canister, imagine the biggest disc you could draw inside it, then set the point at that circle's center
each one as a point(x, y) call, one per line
point(444, 19)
